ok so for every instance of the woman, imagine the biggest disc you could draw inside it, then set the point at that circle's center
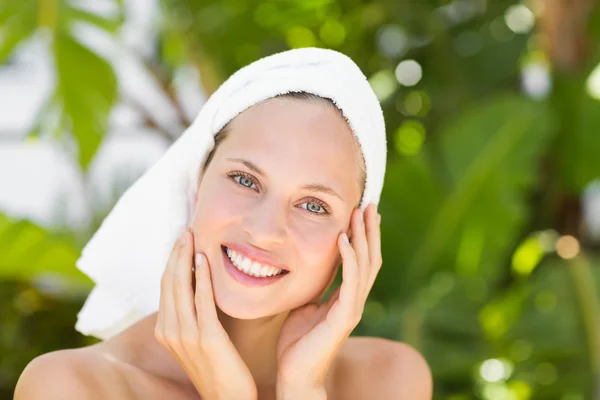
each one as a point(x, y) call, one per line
point(274, 184)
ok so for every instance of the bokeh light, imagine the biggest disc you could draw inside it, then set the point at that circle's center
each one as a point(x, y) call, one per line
point(384, 84)
point(392, 41)
point(531, 251)
point(519, 18)
point(546, 373)
point(590, 204)
point(409, 72)
point(332, 33)
point(495, 370)
point(567, 247)
point(300, 36)
point(500, 31)
point(410, 137)
point(592, 85)
point(536, 80)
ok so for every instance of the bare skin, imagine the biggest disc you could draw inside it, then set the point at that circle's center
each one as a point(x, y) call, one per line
point(138, 367)
point(293, 143)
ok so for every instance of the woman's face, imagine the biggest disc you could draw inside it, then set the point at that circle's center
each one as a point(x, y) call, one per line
point(294, 144)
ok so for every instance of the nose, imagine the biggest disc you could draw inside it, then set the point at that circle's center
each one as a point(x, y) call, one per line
point(265, 223)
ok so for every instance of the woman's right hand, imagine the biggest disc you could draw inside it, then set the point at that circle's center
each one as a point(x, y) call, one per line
point(187, 325)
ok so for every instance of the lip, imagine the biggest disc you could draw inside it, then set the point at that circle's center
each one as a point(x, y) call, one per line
point(245, 279)
point(255, 254)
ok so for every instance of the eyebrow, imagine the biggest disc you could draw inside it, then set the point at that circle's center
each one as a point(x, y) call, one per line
point(315, 187)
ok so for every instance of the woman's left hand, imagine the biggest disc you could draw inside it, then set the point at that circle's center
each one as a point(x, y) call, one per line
point(313, 334)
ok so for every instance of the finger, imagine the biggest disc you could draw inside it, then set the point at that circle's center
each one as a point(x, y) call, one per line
point(374, 240)
point(183, 296)
point(206, 312)
point(167, 318)
point(333, 297)
point(361, 248)
point(350, 281)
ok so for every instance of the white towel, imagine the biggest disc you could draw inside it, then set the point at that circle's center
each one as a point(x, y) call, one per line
point(127, 255)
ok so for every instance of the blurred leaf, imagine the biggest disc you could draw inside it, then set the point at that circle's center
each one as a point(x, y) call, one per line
point(490, 155)
point(87, 88)
point(111, 25)
point(551, 322)
point(410, 193)
point(18, 21)
point(29, 251)
point(579, 163)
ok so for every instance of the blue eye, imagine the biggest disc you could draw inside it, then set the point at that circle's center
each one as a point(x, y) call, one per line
point(314, 206)
point(315, 209)
point(245, 180)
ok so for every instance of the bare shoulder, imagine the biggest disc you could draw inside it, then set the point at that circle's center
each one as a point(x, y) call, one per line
point(73, 373)
point(382, 369)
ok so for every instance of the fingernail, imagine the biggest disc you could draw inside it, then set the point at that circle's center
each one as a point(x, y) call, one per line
point(185, 238)
point(198, 259)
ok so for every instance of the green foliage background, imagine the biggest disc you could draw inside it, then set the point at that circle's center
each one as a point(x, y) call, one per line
point(481, 179)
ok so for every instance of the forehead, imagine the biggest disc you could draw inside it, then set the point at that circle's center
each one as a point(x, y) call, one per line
point(309, 138)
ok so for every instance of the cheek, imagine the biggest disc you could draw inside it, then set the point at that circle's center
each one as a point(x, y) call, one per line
point(215, 208)
point(318, 247)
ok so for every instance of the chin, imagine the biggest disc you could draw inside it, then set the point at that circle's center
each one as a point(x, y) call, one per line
point(241, 307)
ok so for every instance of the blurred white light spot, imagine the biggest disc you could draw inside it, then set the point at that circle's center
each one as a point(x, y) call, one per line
point(495, 370)
point(593, 83)
point(460, 10)
point(392, 41)
point(519, 18)
point(409, 72)
point(535, 80)
point(591, 209)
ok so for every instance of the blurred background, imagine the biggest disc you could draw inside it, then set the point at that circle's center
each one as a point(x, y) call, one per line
point(491, 205)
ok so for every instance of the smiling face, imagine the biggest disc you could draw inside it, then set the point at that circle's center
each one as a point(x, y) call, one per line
point(256, 195)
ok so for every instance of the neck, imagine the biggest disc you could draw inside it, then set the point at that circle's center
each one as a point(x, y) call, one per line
point(255, 340)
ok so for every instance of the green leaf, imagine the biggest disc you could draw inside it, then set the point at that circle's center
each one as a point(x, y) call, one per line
point(410, 193)
point(555, 326)
point(88, 89)
point(490, 158)
point(579, 163)
point(110, 25)
point(18, 21)
point(29, 251)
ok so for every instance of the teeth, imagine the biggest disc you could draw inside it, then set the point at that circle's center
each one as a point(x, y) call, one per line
point(244, 264)
point(249, 267)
